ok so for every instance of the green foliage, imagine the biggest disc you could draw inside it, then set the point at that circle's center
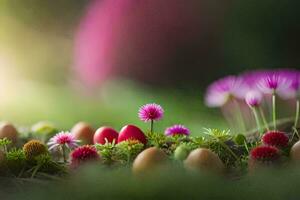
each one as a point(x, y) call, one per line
point(45, 164)
point(222, 143)
point(107, 152)
point(156, 139)
point(218, 135)
point(128, 150)
point(240, 139)
point(122, 153)
point(4, 142)
point(16, 161)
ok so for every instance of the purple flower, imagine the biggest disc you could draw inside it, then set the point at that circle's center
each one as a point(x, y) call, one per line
point(63, 139)
point(253, 98)
point(219, 92)
point(294, 77)
point(151, 112)
point(273, 82)
point(177, 130)
point(252, 77)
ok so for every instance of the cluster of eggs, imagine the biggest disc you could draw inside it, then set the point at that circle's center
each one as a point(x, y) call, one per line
point(87, 135)
point(151, 158)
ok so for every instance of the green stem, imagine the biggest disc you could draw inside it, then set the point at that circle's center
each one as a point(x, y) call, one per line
point(297, 114)
point(264, 118)
point(5, 148)
point(240, 116)
point(257, 120)
point(64, 153)
point(274, 110)
point(280, 122)
point(246, 146)
point(151, 126)
point(35, 171)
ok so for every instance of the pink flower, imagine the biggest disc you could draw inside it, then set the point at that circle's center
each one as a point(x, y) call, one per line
point(151, 112)
point(177, 130)
point(252, 77)
point(294, 77)
point(273, 82)
point(253, 98)
point(84, 154)
point(219, 92)
point(63, 139)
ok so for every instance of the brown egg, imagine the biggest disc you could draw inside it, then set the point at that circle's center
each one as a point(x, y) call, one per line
point(7, 130)
point(204, 160)
point(295, 152)
point(148, 160)
point(84, 132)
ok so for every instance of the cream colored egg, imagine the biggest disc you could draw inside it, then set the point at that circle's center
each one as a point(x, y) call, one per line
point(202, 159)
point(295, 152)
point(7, 130)
point(84, 132)
point(149, 159)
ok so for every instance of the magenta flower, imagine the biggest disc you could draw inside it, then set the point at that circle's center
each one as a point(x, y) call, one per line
point(253, 98)
point(273, 82)
point(293, 90)
point(151, 112)
point(177, 130)
point(251, 78)
point(83, 154)
point(63, 139)
point(219, 92)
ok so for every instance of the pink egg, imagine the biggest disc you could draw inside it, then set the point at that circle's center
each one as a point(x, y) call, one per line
point(105, 134)
point(131, 132)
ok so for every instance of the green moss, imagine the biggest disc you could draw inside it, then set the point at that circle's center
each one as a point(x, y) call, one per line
point(16, 161)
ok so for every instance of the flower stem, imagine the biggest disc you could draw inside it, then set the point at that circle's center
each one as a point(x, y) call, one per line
point(151, 126)
point(36, 169)
point(257, 120)
point(274, 110)
point(297, 114)
point(239, 115)
point(264, 118)
point(64, 153)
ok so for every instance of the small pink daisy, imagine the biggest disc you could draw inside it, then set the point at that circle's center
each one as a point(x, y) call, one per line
point(294, 90)
point(177, 130)
point(220, 91)
point(273, 82)
point(63, 139)
point(151, 112)
point(253, 98)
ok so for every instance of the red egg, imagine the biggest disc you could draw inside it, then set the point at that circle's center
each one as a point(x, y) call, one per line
point(104, 134)
point(131, 132)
